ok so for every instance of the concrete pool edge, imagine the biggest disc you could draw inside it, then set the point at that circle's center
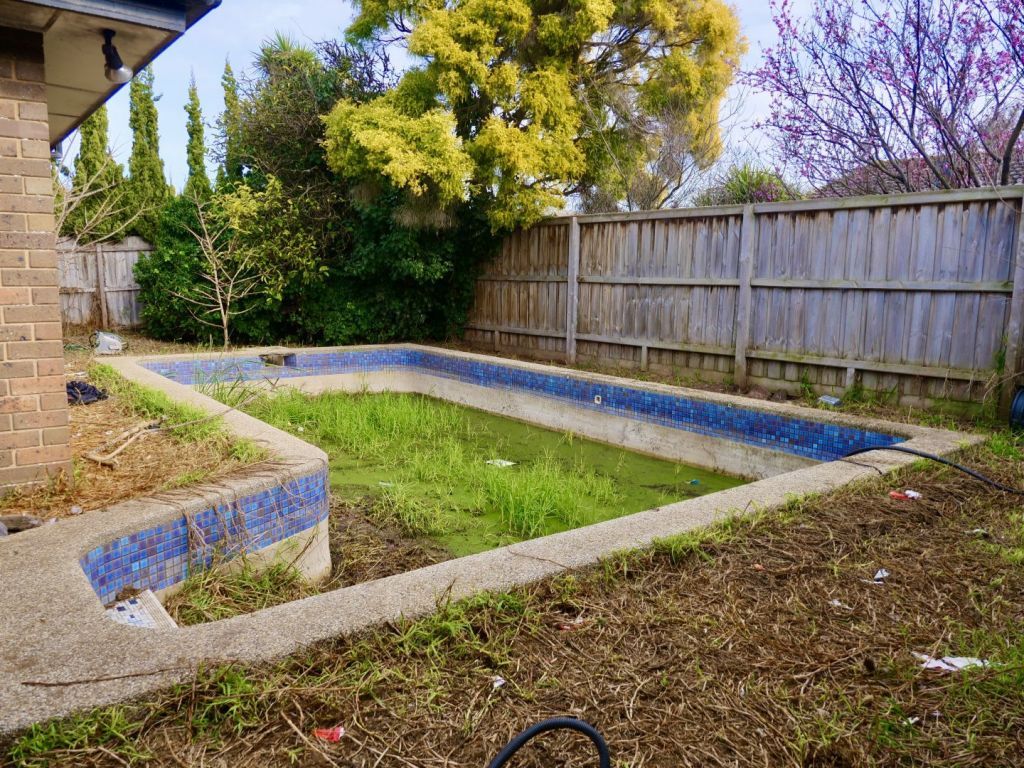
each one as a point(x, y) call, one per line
point(73, 641)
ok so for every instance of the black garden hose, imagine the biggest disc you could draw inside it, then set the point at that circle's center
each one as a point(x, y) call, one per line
point(940, 460)
point(554, 724)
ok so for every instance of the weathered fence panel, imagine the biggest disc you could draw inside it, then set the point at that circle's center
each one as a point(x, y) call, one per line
point(97, 282)
point(920, 294)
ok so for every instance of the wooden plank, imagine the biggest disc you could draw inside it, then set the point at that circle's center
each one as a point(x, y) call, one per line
point(101, 292)
point(522, 331)
point(748, 242)
point(655, 344)
point(572, 291)
point(939, 341)
point(902, 286)
point(899, 368)
point(854, 302)
point(926, 225)
point(943, 197)
point(1015, 325)
point(671, 281)
point(913, 199)
point(556, 278)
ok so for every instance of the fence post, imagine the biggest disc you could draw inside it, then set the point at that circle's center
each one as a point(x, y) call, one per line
point(748, 236)
point(572, 294)
point(101, 285)
point(1015, 324)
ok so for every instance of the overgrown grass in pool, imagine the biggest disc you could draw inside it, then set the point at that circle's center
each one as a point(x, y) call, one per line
point(425, 464)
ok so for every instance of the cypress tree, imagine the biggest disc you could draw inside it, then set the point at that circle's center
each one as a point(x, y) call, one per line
point(147, 187)
point(228, 124)
point(96, 186)
point(198, 184)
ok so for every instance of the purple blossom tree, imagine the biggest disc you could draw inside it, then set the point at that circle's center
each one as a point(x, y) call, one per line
point(898, 95)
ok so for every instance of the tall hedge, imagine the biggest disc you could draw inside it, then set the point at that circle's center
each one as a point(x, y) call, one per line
point(375, 272)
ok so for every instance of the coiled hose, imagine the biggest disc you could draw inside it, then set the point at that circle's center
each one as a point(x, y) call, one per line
point(554, 724)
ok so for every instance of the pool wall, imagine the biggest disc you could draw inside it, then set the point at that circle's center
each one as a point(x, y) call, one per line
point(715, 433)
point(55, 636)
point(271, 513)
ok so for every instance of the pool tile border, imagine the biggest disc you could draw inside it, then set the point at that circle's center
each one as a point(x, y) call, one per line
point(800, 436)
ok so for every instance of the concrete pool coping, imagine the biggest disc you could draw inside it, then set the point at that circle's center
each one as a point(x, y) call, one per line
point(59, 653)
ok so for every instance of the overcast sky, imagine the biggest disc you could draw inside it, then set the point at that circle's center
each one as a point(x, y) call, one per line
point(235, 30)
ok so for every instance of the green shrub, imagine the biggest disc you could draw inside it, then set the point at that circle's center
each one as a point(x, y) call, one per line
point(390, 283)
point(396, 283)
point(172, 267)
point(747, 183)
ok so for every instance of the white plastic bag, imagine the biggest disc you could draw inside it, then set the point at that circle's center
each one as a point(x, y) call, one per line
point(108, 343)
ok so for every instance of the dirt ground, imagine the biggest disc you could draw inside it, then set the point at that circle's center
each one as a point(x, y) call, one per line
point(363, 550)
point(764, 643)
point(147, 466)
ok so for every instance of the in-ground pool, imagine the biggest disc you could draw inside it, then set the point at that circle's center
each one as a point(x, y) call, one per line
point(719, 433)
point(472, 480)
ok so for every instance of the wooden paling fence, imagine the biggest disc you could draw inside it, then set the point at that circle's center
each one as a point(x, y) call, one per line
point(97, 282)
point(921, 295)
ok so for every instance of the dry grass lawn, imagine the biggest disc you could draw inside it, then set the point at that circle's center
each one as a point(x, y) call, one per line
point(149, 465)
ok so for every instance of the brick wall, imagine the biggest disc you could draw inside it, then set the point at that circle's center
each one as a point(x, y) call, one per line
point(33, 406)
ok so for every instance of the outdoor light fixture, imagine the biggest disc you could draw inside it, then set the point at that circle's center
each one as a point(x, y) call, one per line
point(115, 70)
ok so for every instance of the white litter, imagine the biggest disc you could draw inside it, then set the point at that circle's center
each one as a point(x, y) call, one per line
point(880, 576)
point(498, 682)
point(501, 463)
point(108, 343)
point(75, 510)
point(912, 494)
point(385, 484)
point(839, 604)
point(950, 663)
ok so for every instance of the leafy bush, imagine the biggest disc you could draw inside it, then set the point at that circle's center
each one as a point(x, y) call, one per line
point(173, 267)
point(747, 183)
point(341, 265)
point(396, 283)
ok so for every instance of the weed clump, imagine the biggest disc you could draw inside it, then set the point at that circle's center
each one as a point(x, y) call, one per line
point(528, 498)
point(399, 506)
point(210, 594)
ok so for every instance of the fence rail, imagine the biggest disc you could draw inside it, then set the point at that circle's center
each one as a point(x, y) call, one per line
point(919, 294)
point(97, 282)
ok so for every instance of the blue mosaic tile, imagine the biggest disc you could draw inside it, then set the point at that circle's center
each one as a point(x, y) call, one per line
point(801, 437)
point(164, 555)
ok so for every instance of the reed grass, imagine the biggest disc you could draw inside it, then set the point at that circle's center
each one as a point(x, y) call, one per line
point(431, 447)
point(398, 505)
point(527, 498)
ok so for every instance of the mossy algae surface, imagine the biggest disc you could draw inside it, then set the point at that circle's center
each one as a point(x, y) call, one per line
point(425, 464)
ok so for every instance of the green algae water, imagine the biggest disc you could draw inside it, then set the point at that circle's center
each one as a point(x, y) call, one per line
point(470, 480)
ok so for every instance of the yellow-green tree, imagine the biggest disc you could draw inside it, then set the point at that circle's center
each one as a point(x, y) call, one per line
point(523, 103)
